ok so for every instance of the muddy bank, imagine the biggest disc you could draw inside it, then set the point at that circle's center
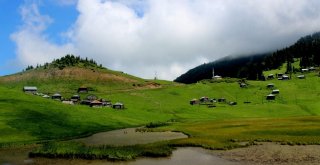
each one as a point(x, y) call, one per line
point(272, 153)
point(181, 156)
point(129, 136)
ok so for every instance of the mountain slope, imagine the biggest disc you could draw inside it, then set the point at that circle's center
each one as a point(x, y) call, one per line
point(306, 49)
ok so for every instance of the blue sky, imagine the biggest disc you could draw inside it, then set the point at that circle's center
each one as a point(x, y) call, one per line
point(141, 37)
point(62, 15)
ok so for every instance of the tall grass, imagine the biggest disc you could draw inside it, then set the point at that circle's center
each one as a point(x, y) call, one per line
point(79, 151)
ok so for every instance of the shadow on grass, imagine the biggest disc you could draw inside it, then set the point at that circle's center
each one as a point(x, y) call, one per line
point(53, 125)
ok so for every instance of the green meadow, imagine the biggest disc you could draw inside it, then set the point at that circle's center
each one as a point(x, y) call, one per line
point(292, 118)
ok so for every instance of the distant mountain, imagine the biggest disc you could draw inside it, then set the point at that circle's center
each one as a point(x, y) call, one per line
point(251, 67)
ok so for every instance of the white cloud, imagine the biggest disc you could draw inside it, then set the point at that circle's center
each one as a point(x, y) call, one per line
point(169, 37)
point(33, 47)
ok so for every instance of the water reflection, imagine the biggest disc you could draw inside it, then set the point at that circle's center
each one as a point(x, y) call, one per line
point(129, 136)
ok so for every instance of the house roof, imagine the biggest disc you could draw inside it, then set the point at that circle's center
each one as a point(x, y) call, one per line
point(30, 88)
point(118, 104)
point(271, 95)
point(96, 102)
point(56, 94)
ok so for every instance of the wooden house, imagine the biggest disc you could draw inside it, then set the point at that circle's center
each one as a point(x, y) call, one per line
point(75, 98)
point(243, 85)
point(270, 86)
point(285, 77)
point(83, 90)
point(270, 97)
point(92, 97)
point(221, 100)
point(270, 76)
point(275, 91)
point(96, 103)
point(30, 89)
point(118, 106)
point(204, 99)
point(56, 96)
point(194, 101)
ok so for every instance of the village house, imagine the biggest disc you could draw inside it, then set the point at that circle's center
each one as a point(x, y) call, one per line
point(56, 96)
point(270, 76)
point(194, 101)
point(83, 90)
point(270, 97)
point(243, 85)
point(270, 86)
point(96, 103)
point(301, 77)
point(75, 98)
point(68, 102)
point(221, 100)
point(275, 91)
point(285, 77)
point(30, 89)
point(312, 69)
point(118, 106)
point(46, 96)
point(204, 99)
point(106, 102)
point(92, 97)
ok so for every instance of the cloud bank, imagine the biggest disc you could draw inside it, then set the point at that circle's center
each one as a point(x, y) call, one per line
point(168, 37)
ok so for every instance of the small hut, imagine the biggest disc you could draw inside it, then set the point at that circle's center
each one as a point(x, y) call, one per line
point(83, 90)
point(194, 101)
point(270, 86)
point(92, 97)
point(270, 76)
point(75, 98)
point(30, 89)
point(106, 102)
point(270, 97)
point(279, 75)
point(96, 103)
point(56, 96)
point(301, 77)
point(312, 69)
point(204, 99)
point(243, 85)
point(275, 91)
point(118, 106)
point(46, 96)
point(85, 102)
point(285, 77)
point(221, 100)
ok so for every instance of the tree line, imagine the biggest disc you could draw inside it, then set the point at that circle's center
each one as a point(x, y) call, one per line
point(67, 61)
point(251, 67)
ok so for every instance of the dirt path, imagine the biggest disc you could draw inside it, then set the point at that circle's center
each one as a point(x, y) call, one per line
point(272, 153)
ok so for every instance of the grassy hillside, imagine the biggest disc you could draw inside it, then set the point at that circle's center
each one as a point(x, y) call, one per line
point(292, 118)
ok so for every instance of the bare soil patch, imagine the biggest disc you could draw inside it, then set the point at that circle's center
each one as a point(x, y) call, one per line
point(273, 153)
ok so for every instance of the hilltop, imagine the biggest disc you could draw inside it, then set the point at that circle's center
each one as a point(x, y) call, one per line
point(70, 72)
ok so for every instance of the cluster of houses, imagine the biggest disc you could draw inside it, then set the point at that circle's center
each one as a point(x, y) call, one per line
point(274, 92)
point(90, 100)
point(210, 101)
point(281, 76)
